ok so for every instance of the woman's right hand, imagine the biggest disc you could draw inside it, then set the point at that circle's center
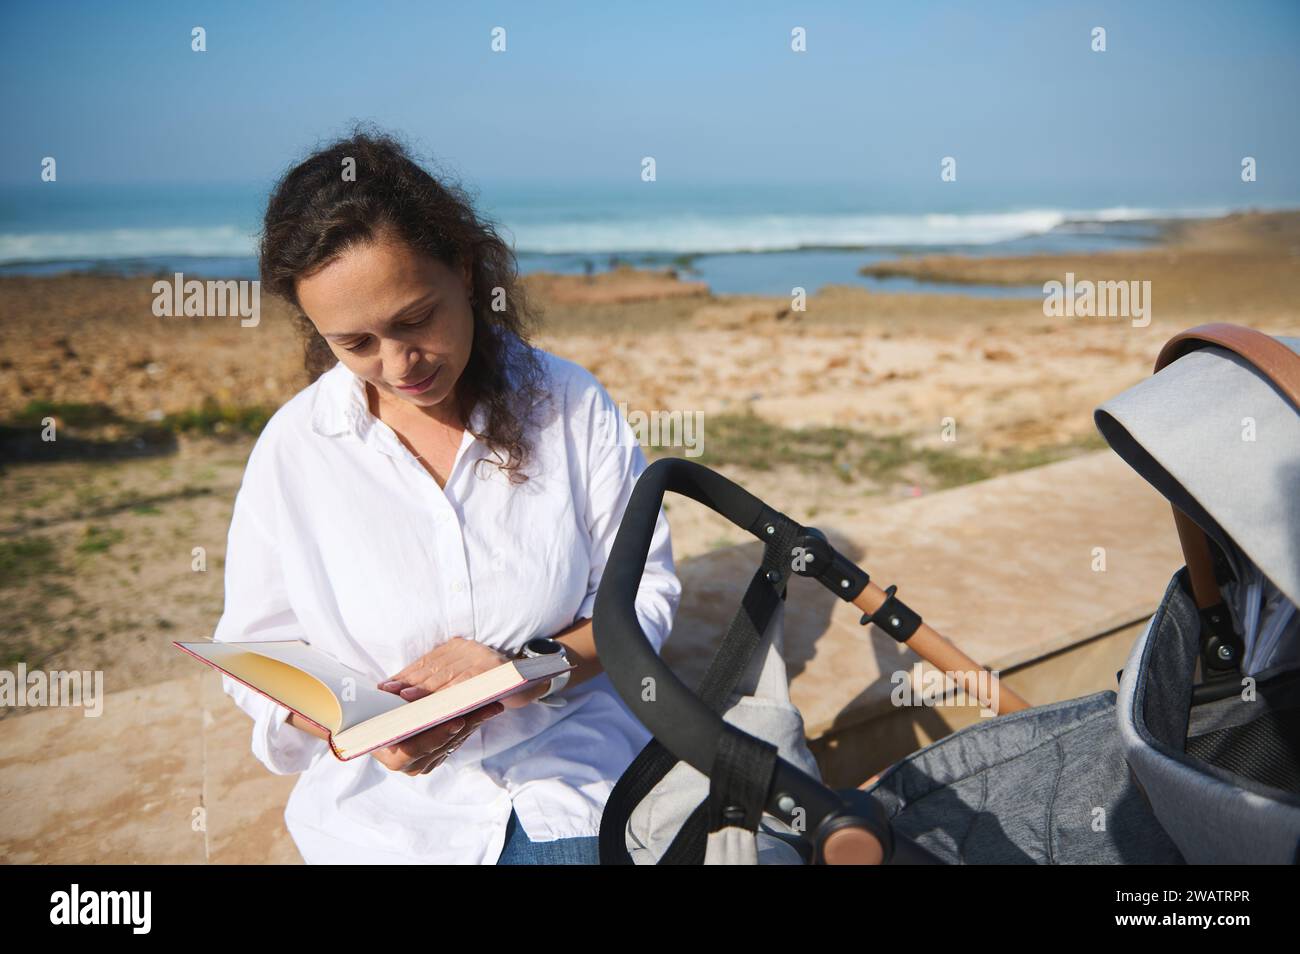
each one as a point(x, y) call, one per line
point(422, 753)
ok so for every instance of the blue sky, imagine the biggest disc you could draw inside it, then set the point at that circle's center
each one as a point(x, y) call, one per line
point(713, 92)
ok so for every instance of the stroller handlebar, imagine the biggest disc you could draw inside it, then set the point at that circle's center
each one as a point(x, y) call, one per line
point(676, 716)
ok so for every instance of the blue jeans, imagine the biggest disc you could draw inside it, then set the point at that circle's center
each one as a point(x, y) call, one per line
point(519, 850)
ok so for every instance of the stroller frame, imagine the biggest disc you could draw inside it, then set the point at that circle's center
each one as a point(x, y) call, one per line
point(847, 827)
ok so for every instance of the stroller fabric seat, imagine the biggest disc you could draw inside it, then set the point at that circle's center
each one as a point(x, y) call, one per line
point(1045, 786)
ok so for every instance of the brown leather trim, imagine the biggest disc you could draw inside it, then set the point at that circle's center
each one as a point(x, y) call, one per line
point(1196, 554)
point(1270, 357)
point(1275, 361)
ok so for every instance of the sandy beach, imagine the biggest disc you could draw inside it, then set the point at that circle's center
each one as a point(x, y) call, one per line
point(861, 397)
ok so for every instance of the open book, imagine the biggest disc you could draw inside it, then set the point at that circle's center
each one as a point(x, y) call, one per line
point(346, 704)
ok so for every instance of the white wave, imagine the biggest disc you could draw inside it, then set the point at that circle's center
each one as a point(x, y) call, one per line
point(219, 241)
point(764, 233)
point(665, 233)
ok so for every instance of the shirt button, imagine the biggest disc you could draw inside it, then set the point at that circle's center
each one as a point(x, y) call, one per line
point(458, 587)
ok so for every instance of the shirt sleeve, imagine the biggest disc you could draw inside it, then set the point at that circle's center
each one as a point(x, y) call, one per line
point(257, 609)
point(615, 462)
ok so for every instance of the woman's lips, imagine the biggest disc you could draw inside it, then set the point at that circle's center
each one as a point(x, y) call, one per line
point(419, 386)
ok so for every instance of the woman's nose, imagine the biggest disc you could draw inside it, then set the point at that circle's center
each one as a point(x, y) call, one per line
point(400, 360)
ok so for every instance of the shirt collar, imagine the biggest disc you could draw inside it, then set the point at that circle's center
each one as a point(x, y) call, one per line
point(340, 405)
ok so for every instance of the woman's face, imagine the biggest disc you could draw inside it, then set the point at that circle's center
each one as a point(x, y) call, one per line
point(399, 319)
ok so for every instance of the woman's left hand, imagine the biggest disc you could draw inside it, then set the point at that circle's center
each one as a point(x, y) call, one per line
point(454, 661)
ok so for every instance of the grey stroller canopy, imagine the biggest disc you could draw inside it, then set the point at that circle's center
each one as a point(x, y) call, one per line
point(1196, 758)
point(1217, 431)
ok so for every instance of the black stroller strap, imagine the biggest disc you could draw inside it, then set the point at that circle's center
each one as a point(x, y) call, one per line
point(742, 639)
point(757, 606)
point(761, 599)
point(738, 784)
point(741, 776)
point(719, 682)
point(655, 761)
point(650, 765)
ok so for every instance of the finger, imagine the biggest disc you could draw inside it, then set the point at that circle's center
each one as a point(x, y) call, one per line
point(389, 759)
point(413, 676)
point(412, 673)
point(426, 687)
point(433, 765)
point(396, 681)
point(401, 755)
point(430, 740)
point(434, 759)
point(435, 679)
point(445, 672)
point(398, 759)
point(402, 674)
point(420, 765)
point(442, 755)
point(417, 670)
point(417, 765)
point(477, 717)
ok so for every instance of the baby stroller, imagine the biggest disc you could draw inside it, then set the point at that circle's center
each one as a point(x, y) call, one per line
point(1195, 759)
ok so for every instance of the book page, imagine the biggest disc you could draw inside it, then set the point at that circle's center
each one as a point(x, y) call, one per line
point(357, 695)
point(281, 682)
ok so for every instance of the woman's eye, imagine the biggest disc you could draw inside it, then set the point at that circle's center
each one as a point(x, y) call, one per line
point(419, 321)
point(358, 346)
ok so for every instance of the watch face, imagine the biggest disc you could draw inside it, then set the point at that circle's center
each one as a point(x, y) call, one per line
point(544, 646)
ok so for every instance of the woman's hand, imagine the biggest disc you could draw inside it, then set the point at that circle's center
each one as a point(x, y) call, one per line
point(422, 753)
point(455, 661)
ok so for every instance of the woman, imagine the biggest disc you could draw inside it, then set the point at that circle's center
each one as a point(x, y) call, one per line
point(442, 498)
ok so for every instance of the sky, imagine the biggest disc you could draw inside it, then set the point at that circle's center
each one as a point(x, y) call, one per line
point(713, 92)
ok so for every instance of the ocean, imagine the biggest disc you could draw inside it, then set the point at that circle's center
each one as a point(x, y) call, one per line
point(754, 239)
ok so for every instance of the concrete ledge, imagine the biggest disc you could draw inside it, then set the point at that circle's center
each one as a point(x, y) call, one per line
point(163, 776)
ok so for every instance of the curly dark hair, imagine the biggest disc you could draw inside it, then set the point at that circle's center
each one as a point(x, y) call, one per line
point(315, 214)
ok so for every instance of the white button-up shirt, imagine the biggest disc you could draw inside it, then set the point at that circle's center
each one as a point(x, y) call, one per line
point(341, 538)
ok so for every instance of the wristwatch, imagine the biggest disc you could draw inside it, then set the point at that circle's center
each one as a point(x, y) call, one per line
point(545, 646)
